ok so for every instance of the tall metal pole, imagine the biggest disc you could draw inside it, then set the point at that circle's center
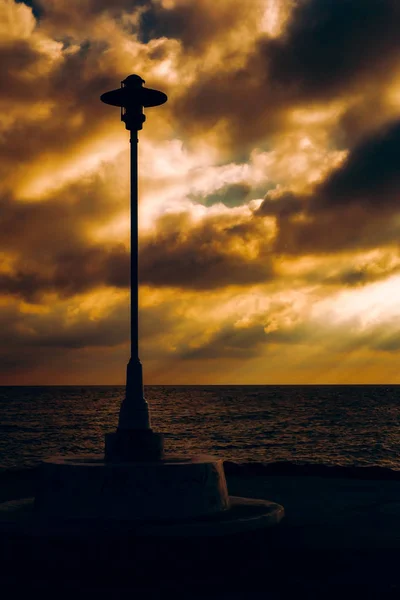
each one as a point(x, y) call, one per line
point(134, 437)
point(134, 412)
point(134, 246)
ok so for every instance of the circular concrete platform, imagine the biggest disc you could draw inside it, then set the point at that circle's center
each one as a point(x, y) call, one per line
point(244, 515)
point(88, 487)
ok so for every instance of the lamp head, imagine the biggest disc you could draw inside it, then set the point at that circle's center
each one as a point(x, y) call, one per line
point(133, 81)
point(132, 97)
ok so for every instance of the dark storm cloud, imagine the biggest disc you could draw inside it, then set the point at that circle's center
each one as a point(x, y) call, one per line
point(247, 342)
point(387, 340)
point(68, 273)
point(61, 84)
point(358, 276)
point(195, 24)
point(352, 208)
point(329, 44)
point(241, 98)
point(75, 114)
point(49, 248)
point(52, 330)
point(202, 256)
point(284, 205)
point(109, 331)
point(34, 5)
point(22, 139)
point(229, 342)
point(16, 58)
point(365, 115)
point(63, 15)
point(59, 222)
point(349, 271)
point(369, 176)
point(29, 341)
point(330, 49)
point(344, 229)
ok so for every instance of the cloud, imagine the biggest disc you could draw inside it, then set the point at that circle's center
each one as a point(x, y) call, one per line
point(229, 195)
point(76, 340)
point(369, 175)
point(34, 5)
point(305, 334)
point(321, 56)
point(218, 251)
point(352, 207)
point(229, 342)
point(53, 114)
point(49, 246)
point(330, 45)
point(62, 17)
point(281, 205)
point(198, 24)
point(71, 273)
point(268, 186)
point(347, 269)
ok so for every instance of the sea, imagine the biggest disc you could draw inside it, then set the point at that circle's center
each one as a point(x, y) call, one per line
point(354, 425)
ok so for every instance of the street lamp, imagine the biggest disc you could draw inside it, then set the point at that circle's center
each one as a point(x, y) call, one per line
point(133, 482)
point(134, 438)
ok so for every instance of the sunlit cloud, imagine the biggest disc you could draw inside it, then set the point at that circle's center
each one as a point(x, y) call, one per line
point(268, 210)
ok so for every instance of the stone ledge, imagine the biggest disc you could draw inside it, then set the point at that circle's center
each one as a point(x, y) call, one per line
point(244, 515)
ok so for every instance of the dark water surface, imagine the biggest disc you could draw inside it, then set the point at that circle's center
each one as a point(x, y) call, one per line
point(333, 425)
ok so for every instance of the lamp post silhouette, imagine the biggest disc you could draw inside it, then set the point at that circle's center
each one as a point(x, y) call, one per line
point(133, 481)
point(134, 438)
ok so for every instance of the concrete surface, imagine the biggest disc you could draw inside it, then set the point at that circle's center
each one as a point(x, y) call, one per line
point(340, 538)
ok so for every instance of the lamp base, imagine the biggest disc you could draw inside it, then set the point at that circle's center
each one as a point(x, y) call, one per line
point(132, 445)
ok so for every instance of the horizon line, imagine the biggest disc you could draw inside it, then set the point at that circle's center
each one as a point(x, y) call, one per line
point(84, 385)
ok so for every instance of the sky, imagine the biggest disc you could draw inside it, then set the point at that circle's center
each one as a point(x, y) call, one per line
point(269, 191)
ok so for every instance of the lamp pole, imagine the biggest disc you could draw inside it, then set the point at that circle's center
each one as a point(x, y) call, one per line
point(134, 437)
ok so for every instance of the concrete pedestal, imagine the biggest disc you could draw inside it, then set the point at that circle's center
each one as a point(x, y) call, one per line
point(88, 487)
point(130, 445)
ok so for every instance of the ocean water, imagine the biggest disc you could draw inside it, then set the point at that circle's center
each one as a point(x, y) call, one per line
point(333, 425)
